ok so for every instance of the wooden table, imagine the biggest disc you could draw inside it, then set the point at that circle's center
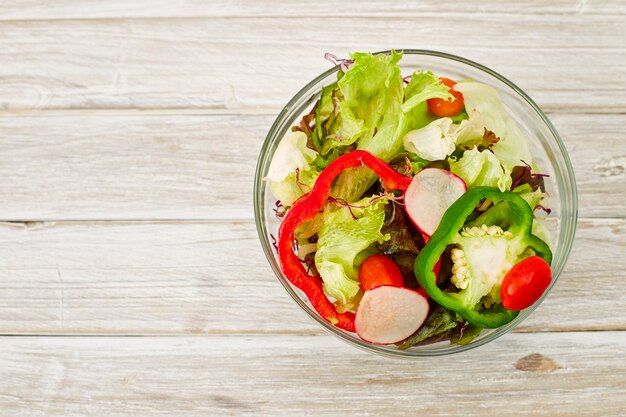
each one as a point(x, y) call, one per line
point(132, 281)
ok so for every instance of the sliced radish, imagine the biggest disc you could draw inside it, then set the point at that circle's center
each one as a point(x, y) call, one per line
point(390, 314)
point(429, 195)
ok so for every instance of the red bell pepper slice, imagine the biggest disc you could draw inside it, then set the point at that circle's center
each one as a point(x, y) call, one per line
point(305, 208)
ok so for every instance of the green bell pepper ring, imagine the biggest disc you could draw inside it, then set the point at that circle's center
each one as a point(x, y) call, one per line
point(492, 254)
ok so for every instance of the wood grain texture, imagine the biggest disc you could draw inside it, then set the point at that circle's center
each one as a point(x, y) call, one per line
point(211, 277)
point(129, 167)
point(129, 133)
point(245, 63)
point(309, 375)
point(94, 9)
point(116, 166)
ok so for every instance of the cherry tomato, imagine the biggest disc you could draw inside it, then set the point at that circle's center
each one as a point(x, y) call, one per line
point(446, 108)
point(525, 283)
point(378, 270)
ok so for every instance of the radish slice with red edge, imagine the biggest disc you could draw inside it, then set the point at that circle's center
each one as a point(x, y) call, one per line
point(390, 314)
point(431, 192)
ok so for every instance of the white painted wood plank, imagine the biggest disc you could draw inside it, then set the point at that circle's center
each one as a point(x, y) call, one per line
point(138, 167)
point(138, 278)
point(162, 166)
point(85, 9)
point(242, 64)
point(212, 277)
point(597, 148)
point(552, 374)
point(602, 6)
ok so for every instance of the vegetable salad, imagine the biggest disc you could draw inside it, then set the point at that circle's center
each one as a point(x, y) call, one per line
point(408, 206)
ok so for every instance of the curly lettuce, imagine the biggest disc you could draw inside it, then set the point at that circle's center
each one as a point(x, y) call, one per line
point(481, 168)
point(291, 173)
point(294, 186)
point(432, 142)
point(345, 234)
point(336, 125)
point(374, 89)
point(485, 104)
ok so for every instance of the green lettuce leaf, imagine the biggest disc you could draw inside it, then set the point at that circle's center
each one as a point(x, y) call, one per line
point(340, 240)
point(486, 102)
point(472, 132)
point(373, 89)
point(464, 334)
point(478, 168)
point(532, 197)
point(423, 86)
point(513, 147)
point(323, 112)
point(431, 142)
point(294, 186)
point(417, 163)
point(469, 131)
point(291, 173)
point(345, 130)
point(291, 154)
point(382, 102)
point(335, 124)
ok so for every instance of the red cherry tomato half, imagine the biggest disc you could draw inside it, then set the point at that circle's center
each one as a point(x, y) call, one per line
point(378, 270)
point(525, 283)
point(446, 108)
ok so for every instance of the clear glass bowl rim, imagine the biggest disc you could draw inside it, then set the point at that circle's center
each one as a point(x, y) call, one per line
point(567, 189)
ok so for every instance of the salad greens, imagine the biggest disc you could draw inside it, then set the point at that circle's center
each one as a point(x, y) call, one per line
point(483, 248)
point(373, 88)
point(480, 168)
point(416, 124)
point(291, 174)
point(432, 142)
point(485, 103)
point(344, 235)
point(336, 125)
point(440, 321)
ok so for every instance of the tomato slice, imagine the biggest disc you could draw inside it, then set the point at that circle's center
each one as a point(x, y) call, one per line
point(378, 270)
point(525, 283)
point(446, 108)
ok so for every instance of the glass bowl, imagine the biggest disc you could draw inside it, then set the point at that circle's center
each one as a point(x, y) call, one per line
point(548, 153)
